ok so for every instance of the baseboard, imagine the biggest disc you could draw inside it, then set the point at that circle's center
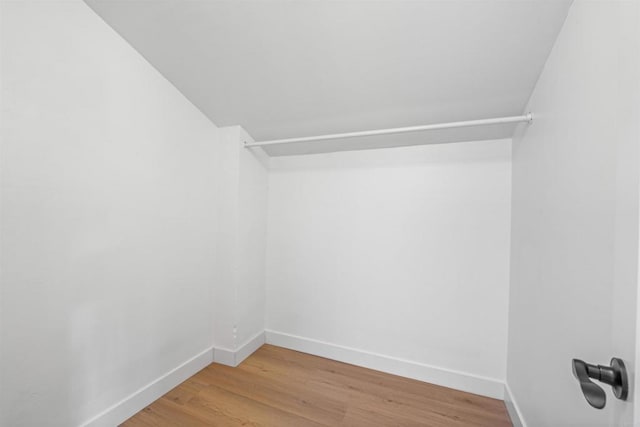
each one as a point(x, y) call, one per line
point(135, 402)
point(432, 374)
point(512, 407)
point(224, 356)
point(127, 407)
point(235, 357)
point(249, 347)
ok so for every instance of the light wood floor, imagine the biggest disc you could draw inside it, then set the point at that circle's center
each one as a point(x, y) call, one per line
point(279, 387)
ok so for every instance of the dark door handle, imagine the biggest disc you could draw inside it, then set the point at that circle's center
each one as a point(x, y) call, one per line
point(614, 375)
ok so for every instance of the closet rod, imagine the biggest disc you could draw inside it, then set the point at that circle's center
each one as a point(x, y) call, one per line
point(500, 120)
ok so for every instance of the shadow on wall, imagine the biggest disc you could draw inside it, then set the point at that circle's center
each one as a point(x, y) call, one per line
point(491, 151)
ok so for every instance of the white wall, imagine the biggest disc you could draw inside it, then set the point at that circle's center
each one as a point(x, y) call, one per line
point(401, 252)
point(240, 304)
point(108, 218)
point(252, 240)
point(575, 218)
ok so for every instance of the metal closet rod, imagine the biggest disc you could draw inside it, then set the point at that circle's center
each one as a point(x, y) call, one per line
point(483, 122)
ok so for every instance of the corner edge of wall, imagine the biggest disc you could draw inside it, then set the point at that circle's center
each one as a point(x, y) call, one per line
point(512, 408)
point(235, 357)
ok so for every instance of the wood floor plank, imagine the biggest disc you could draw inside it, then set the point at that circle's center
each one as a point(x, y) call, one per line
point(357, 382)
point(247, 410)
point(298, 399)
point(280, 387)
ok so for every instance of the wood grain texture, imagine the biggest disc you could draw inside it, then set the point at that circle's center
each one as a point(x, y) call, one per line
point(280, 387)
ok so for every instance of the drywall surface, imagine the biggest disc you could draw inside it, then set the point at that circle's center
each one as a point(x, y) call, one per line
point(252, 240)
point(575, 219)
point(108, 218)
point(399, 252)
point(240, 304)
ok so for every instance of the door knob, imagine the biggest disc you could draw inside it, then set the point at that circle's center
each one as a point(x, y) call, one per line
point(614, 375)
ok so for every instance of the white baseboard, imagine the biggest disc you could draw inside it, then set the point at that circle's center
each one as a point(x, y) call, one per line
point(512, 407)
point(235, 357)
point(432, 374)
point(224, 356)
point(135, 402)
point(249, 347)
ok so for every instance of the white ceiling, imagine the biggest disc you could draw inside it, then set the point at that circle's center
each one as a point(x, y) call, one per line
point(299, 68)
